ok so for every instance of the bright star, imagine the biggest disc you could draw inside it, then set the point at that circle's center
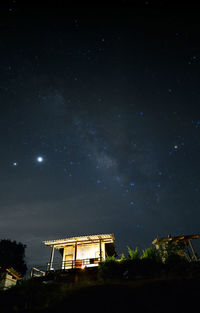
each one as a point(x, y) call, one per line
point(14, 163)
point(40, 159)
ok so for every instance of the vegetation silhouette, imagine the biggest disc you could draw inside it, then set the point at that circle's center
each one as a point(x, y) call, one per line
point(12, 254)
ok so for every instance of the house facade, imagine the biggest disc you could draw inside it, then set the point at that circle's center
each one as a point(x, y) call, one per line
point(80, 252)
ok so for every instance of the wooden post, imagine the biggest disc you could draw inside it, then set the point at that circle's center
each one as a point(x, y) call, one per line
point(63, 265)
point(100, 250)
point(75, 255)
point(194, 254)
point(189, 254)
point(51, 258)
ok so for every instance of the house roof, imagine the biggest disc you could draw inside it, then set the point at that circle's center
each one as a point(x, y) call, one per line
point(183, 238)
point(80, 239)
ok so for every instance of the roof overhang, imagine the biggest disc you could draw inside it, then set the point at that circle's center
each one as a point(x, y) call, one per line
point(183, 238)
point(61, 243)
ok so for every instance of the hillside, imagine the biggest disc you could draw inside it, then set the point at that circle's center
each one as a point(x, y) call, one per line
point(172, 294)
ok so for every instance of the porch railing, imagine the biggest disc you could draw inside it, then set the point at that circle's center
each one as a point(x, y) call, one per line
point(70, 264)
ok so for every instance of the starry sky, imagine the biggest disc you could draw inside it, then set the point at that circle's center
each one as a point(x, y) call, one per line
point(100, 122)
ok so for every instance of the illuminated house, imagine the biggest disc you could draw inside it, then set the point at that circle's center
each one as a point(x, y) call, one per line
point(81, 252)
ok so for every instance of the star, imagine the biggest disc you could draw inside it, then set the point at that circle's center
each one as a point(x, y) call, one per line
point(15, 164)
point(40, 159)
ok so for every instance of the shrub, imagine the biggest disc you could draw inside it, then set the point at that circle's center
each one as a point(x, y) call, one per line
point(133, 255)
point(123, 258)
point(176, 263)
point(109, 268)
point(110, 258)
point(151, 253)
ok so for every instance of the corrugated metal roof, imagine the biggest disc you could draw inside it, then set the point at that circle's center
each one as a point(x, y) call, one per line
point(80, 239)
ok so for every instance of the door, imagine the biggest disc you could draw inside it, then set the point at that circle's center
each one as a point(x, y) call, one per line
point(68, 261)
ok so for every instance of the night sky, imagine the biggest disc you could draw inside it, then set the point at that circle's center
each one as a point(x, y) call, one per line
point(100, 122)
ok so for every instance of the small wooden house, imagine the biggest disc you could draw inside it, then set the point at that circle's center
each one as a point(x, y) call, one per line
point(8, 278)
point(81, 252)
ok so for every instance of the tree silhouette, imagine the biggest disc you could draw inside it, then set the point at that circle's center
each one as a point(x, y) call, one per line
point(12, 254)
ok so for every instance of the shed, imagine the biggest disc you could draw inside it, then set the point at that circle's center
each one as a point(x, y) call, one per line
point(183, 244)
point(82, 251)
point(8, 278)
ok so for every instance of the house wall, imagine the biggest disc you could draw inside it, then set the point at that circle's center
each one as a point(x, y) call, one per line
point(89, 251)
point(84, 251)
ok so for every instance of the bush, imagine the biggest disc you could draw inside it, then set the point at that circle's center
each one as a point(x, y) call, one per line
point(149, 264)
point(123, 258)
point(110, 258)
point(133, 255)
point(109, 268)
point(151, 253)
point(175, 263)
